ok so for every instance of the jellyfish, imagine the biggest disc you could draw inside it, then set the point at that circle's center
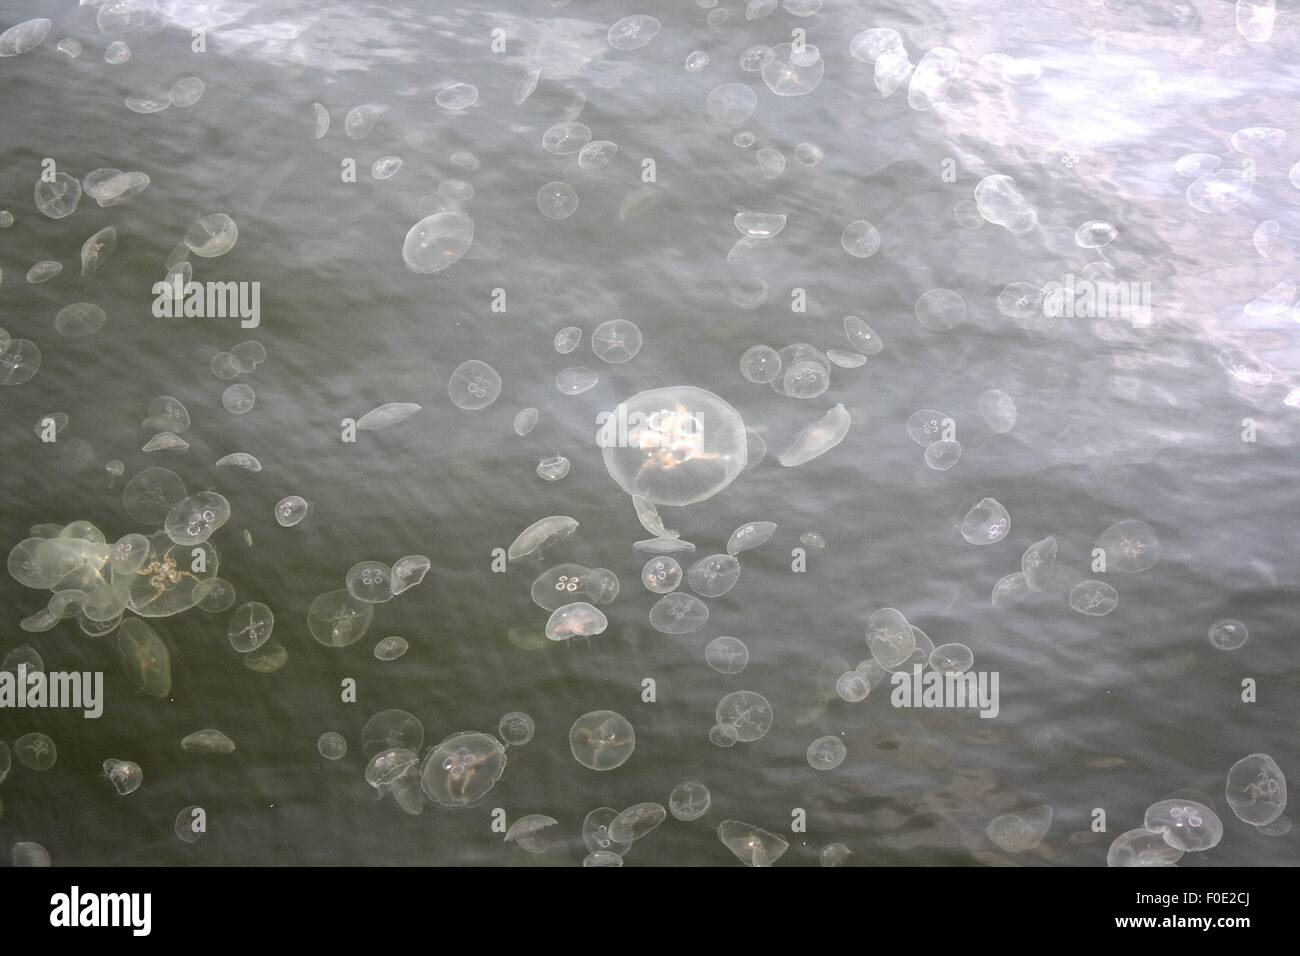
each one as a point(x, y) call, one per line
point(36, 751)
point(385, 416)
point(250, 627)
point(58, 196)
point(602, 740)
point(1130, 546)
point(554, 468)
point(1038, 562)
point(165, 583)
point(661, 575)
point(437, 242)
point(1019, 832)
point(332, 745)
point(516, 728)
point(370, 581)
point(713, 576)
point(457, 96)
point(952, 659)
point(674, 446)
point(1187, 825)
point(557, 200)
point(817, 438)
point(541, 534)
point(579, 619)
point(24, 36)
point(392, 729)
point(1142, 847)
point(750, 535)
point(678, 613)
point(747, 712)
point(1256, 790)
point(525, 87)
point(853, 686)
point(1228, 634)
point(636, 822)
point(597, 154)
point(337, 619)
point(166, 441)
point(596, 836)
point(530, 832)
point(565, 138)
point(212, 235)
point(940, 310)
point(1094, 598)
point(760, 364)
point(567, 339)
point(727, 655)
point(208, 741)
point(145, 658)
point(1010, 590)
point(616, 341)
point(564, 584)
point(474, 385)
point(826, 753)
point(731, 103)
point(890, 637)
point(20, 360)
point(689, 800)
point(391, 648)
point(752, 845)
point(193, 520)
point(461, 770)
point(388, 766)
point(291, 511)
point(6, 761)
point(986, 523)
point(631, 33)
point(860, 239)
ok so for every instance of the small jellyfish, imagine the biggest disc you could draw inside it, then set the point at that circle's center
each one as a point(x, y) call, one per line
point(1186, 824)
point(596, 836)
point(890, 637)
point(661, 575)
point(20, 360)
point(145, 658)
point(407, 572)
point(462, 769)
point(833, 854)
point(727, 655)
point(391, 648)
point(723, 735)
point(748, 712)
point(212, 235)
point(860, 239)
point(250, 627)
point(998, 409)
point(750, 535)
point(1142, 847)
point(629, 33)
point(44, 271)
point(616, 341)
point(817, 438)
point(579, 619)
point(58, 196)
point(1256, 790)
point(474, 385)
point(1010, 590)
point(457, 96)
point(125, 775)
point(597, 154)
point(952, 659)
point(541, 534)
point(531, 832)
point(392, 728)
point(986, 523)
point(567, 339)
point(360, 120)
point(385, 416)
point(1094, 598)
point(852, 686)
point(25, 853)
point(751, 845)
point(1038, 562)
point(1094, 234)
point(760, 364)
point(602, 740)
point(1130, 546)
point(190, 824)
point(1228, 634)
point(940, 310)
point(516, 728)
point(195, 519)
point(23, 37)
point(370, 581)
point(636, 821)
point(575, 381)
point(526, 421)
point(713, 576)
point(337, 619)
point(36, 751)
point(1019, 832)
point(689, 800)
point(607, 583)
point(826, 753)
point(208, 741)
point(678, 613)
point(437, 242)
point(332, 745)
point(731, 103)
point(291, 511)
point(557, 200)
point(932, 77)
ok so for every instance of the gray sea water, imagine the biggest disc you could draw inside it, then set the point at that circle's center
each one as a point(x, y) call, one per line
point(1116, 419)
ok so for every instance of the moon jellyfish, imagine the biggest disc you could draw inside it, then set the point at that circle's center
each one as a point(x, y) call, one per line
point(370, 581)
point(1094, 598)
point(952, 659)
point(58, 197)
point(96, 249)
point(461, 770)
point(165, 584)
point(36, 751)
point(195, 519)
point(526, 421)
point(1228, 634)
point(727, 655)
point(852, 686)
point(188, 91)
point(596, 836)
point(1094, 234)
point(360, 120)
point(607, 585)
point(759, 225)
point(25, 853)
point(748, 712)
point(332, 746)
point(557, 200)
point(166, 441)
point(125, 775)
point(153, 101)
point(867, 46)
point(1130, 546)
point(516, 728)
point(892, 67)
point(602, 740)
point(564, 584)
point(567, 339)
point(214, 595)
point(1186, 824)
point(291, 511)
point(751, 845)
point(166, 414)
point(636, 822)
point(713, 576)
point(998, 409)
point(940, 310)
point(597, 154)
point(391, 729)
point(689, 800)
point(565, 138)
point(616, 341)
point(1256, 790)
point(145, 658)
point(731, 103)
point(337, 619)
point(750, 535)
point(678, 613)
point(1245, 367)
point(1038, 562)
point(20, 360)
point(321, 120)
point(632, 33)
point(79, 320)
point(1021, 300)
point(760, 364)
point(212, 235)
point(187, 826)
point(208, 742)
point(826, 753)
point(579, 619)
point(267, 659)
point(890, 637)
point(986, 523)
point(1019, 832)
point(437, 242)
point(458, 96)
point(223, 366)
point(385, 167)
point(648, 515)
point(860, 239)
point(529, 832)
point(24, 36)
point(387, 767)
point(391, 648)
point(575, 381)
point(771, 162)
point(749, 292)
point(1142, 847)
point(525, 87)
point(790, 70)
point(723, 735)
point(742, 140)
point(250, 627)
point(942, 455)
point(44, 271)
point(932, 77)
point(661, 575)
point(818, 438)
point(474, 385)
point(1274, 302)
point(541, 534)
point(407, 572)
point(1000, 202)
point(1221, 190)
point(679, 445)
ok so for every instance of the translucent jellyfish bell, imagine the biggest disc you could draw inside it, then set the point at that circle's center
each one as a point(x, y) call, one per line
point(727, 655)
point(674, 446)
point(1256, 789)
point(1018, 832)
point(125, 775)
point(602, 740)
point(516, 728)
point(678, 613)
point(636, 822)
point(890, 637)
point(689, 800)
point(1142, 847)
point(751, 845)
point(713, 576)
point(1186, 824)
point(532, 833)
point(747, 712)
point(462, 769)
point(1130, 546)
point(596, 836)
point(661, 574)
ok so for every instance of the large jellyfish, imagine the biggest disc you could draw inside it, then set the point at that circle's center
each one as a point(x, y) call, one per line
point(674, 446)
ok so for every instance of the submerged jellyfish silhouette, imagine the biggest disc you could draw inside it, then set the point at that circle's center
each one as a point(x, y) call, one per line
point(674, 446)
point(462, 769)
